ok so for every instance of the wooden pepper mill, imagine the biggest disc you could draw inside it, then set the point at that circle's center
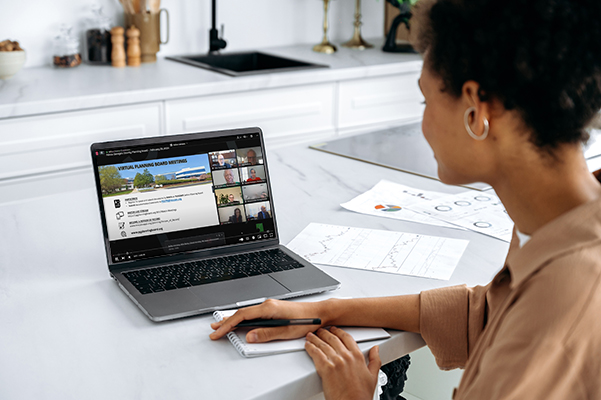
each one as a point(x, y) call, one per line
point(118, 52)
point(134, 52)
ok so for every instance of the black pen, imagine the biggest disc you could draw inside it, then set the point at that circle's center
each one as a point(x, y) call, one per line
point(278, 322)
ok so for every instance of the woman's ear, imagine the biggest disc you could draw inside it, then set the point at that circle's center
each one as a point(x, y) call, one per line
point(470, 94)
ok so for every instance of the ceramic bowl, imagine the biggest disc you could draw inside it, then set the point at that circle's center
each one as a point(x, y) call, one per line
point(11, 62)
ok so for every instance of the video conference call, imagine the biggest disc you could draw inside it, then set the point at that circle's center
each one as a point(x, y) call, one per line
point(184, 196)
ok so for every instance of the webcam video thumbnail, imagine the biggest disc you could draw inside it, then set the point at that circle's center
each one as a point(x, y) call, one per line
point(232, 214)
point(252, 174)
point(250, 156)
point(226, 177)
point(223, 159)
point(256, 192)
point(256, 211)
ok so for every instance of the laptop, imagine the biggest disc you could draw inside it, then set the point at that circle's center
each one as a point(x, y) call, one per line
point(190, 227)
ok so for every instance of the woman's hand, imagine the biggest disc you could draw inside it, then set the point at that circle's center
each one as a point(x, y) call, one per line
point(271, 309)
point(341, 365)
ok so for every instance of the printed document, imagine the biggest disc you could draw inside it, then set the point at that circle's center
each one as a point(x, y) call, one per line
point(377, 250)
point(482, 212)
point(478, 211)
point(393, 200)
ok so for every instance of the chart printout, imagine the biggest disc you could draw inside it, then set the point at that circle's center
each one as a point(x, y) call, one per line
point(393, 200)
point(478, 211)
point(377, 250)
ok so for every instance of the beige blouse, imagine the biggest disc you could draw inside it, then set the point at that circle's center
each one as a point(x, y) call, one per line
point(534, 332)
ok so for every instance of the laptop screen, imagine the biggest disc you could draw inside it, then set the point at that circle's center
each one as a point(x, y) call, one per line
point(183, 195)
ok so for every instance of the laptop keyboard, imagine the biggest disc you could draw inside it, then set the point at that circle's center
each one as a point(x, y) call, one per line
point(194, 273)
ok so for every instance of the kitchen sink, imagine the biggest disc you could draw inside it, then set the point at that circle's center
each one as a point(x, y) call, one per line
point(246, 63)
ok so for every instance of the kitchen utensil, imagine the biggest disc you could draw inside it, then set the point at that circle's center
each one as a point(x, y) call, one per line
point(149, 25)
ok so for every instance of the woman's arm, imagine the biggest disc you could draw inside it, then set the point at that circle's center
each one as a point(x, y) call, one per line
point(397, 312)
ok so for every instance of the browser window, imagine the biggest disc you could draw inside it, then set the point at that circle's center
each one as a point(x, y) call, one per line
point(184, 196)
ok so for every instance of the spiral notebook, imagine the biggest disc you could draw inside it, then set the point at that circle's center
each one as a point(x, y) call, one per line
point(238, 339)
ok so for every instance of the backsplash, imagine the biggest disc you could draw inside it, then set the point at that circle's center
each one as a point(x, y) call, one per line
point(248, 24)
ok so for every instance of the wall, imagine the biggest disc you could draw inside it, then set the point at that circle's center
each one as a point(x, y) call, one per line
point(248, 24)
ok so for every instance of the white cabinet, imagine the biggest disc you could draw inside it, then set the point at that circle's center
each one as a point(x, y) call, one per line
point(57, 142)
point(50, 143)
point(378, 101)
point(281, 113)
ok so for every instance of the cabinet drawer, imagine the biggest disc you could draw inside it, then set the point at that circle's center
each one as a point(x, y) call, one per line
point(58, 142)
point(278, 112)
point(378, 100)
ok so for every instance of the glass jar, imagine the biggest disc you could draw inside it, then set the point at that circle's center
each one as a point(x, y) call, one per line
point(97, 38)
point(66, 49)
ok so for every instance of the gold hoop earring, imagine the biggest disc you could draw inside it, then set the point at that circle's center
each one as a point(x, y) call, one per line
point(467, 125)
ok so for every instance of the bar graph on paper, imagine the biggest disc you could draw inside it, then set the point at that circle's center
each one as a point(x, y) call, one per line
point(377, 250)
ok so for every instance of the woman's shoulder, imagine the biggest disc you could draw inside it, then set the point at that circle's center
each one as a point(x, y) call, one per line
point(563, 292)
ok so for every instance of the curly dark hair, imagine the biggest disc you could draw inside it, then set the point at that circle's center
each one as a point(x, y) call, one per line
point(539, 57)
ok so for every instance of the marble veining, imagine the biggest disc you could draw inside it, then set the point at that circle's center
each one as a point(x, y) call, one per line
point(72, 328)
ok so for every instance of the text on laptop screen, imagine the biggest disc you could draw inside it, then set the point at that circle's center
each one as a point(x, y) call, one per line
point(184, 196)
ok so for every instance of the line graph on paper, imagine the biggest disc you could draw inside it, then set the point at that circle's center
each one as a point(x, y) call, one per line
point(377, 250)
point(323, 248)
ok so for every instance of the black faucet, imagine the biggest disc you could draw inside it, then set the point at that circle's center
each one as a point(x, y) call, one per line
point(216, 43)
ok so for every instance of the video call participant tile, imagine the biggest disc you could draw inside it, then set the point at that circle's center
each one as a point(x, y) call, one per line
point(250, 156)
point(232, 215)
point(252, 174)
point(258, 211)
point(226, 177)
point(223, 159)
point(229, 196)
point(257, 192)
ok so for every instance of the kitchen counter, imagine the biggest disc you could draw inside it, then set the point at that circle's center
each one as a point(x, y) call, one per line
point(49, 90)
point(69, 332)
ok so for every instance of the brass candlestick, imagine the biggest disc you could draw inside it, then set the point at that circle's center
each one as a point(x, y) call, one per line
point(357, 41)
point(325, 46)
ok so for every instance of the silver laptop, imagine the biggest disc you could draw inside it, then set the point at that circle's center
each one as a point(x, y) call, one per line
point(190, 227)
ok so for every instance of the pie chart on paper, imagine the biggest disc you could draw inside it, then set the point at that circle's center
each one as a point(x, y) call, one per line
point(388, 208)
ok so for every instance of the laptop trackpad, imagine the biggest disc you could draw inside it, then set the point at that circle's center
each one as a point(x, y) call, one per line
point(230, 292)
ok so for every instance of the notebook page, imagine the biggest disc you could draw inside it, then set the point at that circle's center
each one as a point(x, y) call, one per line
point(238, 339)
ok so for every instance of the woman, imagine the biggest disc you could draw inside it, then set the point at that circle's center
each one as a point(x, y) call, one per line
point(253, 176)
point(509, 88)
point(237, 217)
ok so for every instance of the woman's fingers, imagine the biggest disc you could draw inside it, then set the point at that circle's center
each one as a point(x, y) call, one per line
point(270, 309)
point(333, 340)
point(318, 356)
point(341, 366)
point(337, 342)
point(346, 339)
point(261, 335)
point(375, 363)
point(322, 345)
point(228, 325)
point(216, 325)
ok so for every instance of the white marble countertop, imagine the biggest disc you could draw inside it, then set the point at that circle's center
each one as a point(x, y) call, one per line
point(48, 89)
point(68, 332)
